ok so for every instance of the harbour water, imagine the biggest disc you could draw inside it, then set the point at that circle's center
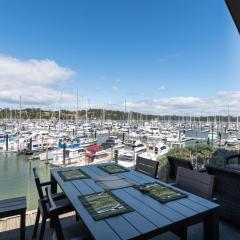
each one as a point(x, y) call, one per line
point(16, 176)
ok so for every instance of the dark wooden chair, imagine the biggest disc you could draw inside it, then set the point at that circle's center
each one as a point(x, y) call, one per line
point(198, 183)
point(43, 205)
point(147, 166)
point(15, 206)
point(227, 192)
point(174, 163)
point(74, 231)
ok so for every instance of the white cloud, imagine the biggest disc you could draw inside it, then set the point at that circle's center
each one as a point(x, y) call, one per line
point(37, 81)
point(217, 104)
point(96, 89)
point(115, 89)
point(103, 77)
point(162, 88)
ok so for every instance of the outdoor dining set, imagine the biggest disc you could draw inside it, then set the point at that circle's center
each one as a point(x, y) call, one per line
point(110, 201)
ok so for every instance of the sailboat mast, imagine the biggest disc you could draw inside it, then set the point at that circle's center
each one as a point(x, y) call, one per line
point(237, 121)
point(59, 115)
point(228, 117)
point(20, 113)
point(77, 109)
point(86, 110)
point(40, 116)
point(125, 110)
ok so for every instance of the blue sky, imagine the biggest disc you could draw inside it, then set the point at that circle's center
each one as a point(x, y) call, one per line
point(161, 56)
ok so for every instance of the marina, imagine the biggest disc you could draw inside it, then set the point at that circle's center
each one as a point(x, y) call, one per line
point(49, 148)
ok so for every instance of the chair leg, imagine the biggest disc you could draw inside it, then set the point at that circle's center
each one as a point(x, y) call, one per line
point(77, 217)
point(36, 224)
point(58, 228)
point(42, 228)
point(51, 223)
point(182, 233)
point(22, 226)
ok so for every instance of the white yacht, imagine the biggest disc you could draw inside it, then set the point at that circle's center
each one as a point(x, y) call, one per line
point(232, 140)
point(212, 135)
point(175, 136)
point(71, 156)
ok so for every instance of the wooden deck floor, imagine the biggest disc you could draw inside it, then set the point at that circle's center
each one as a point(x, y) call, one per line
point(9, 229)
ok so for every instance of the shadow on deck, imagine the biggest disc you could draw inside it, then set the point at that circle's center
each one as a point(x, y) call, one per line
point(9, 229)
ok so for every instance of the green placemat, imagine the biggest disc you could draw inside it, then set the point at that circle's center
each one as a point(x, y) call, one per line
point(160, 192)
point(103, 205)
point(112, 168)
point(74, 174)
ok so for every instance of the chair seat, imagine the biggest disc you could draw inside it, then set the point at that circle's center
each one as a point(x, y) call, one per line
point(233, 166)
point(74, 231)
point(63, 202)
point(59, 195)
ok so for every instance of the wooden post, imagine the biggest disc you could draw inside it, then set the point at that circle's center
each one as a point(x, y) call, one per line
point(111, 153)
point(30, 145)
point(116, 156)
point(47, 154)
point(18, 145)
point(123, 137)
point(6, 142)
point(64, 156)
point(42, 143)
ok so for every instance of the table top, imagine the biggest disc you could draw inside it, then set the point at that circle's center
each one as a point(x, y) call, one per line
point(150, 216)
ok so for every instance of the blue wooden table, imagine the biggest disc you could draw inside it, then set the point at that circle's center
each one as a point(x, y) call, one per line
point(150, 217)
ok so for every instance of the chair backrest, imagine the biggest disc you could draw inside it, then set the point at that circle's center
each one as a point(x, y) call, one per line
point(54, 215)
point(232, 159)
point(38, 183)
point(174, 163)
point(147, 166)
point(195, 182)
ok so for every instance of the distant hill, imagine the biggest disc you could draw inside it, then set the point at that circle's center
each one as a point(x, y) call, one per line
point(37, 113)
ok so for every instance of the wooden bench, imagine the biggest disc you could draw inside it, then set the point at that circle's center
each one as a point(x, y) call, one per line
point(15, 206)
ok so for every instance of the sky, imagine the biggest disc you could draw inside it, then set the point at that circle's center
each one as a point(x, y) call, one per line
point(162, 57)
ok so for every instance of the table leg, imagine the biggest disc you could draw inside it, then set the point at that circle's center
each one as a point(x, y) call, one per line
point(211, 226)
point(53, 185)
point(53, 190)
point(181, 232)
point(22, 226)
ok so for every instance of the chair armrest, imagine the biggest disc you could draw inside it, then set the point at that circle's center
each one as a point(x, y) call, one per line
point(172, 184)
point(56, 210)
point(58, 196)
point(46, 183)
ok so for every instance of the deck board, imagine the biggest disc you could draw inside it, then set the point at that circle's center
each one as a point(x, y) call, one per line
point(227, 231)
